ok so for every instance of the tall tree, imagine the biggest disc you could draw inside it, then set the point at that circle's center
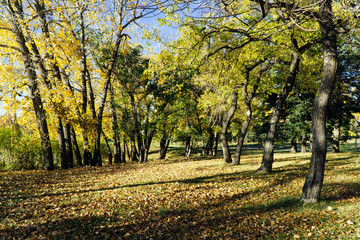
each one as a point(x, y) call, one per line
point(14, 14)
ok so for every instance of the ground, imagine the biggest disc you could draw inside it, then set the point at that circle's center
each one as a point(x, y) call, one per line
point(183, 198)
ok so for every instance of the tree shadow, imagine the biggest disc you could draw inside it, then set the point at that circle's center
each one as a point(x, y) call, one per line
point(341, 191)
point(189, 222)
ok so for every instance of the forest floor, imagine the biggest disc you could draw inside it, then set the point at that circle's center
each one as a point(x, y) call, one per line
point(183, 198)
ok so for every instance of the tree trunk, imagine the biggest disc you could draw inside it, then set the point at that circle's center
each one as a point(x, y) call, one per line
point(225, 125)
point(310, 142)
point(115, 127)
point(216, 144)
point(293, 146)
point(210, 143)
point(76, 148)
point(108, 148)
point(241, 138)
point(336, 138)
point(34, 90)
point(123, 153)
point(86, 150)
point(303, 144)
point(315, 177)
point(188, 146)
point(268, 156)
point(68, 145)
point(62, 146)
point(164, 145)
point(148, 144)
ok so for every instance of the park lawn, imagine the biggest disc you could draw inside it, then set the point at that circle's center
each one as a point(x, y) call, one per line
point(178, 198)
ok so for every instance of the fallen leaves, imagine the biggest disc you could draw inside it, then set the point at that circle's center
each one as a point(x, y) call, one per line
point(200, 199)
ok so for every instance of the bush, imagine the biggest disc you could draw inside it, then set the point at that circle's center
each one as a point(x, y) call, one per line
point(19, 151)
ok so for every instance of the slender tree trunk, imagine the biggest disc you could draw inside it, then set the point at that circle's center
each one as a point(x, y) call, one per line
point(268, 156)
point(148, 143)
point(188, 146)
point(164, 145)
point(133, 152)
point(303, 144)
point(115, 127)
point(315, 177)
point(210, 143)
point(225, 125)
point(108, 148)
point(310, 142)
point(248, 97)
point(336, 138)
point(68, 145)
point(241, 138)
point(76, 148)
point(34, 90)
point(216, 144)
point(293, 146)
point(83, 63)
point(86, 150)
point(123, 153)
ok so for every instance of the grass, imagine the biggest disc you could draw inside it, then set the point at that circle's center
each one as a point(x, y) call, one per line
point(178, 198)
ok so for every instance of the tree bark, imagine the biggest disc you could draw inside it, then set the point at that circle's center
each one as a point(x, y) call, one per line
point(188, 146)
point(241, 138)
point(247, 100)
point(115, 127)
point(225, 125)
point(108, 148)
point(303, 144)
point(164, 145)
point(68, 145)
point(268, 156)
point(34, 90)
point(315, 177)
point(76, 147)
point(336, 138)
point(216, 144)
point(210, 143)
point(123, 153)
point(62, 146)
point(293, 146)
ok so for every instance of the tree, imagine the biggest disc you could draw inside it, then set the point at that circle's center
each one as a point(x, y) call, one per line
point(15, 16)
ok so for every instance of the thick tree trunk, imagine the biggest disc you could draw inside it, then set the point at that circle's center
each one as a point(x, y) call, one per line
point(225, 125)
point(76, 148)
point(315, 177)
point(68, 145)
point(34, 90)
point(268, 156)
point(336, 138)
point(293, 146)
point(303, 144)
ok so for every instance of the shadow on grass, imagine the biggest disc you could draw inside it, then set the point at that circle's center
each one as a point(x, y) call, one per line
point(207, 220)
point(341, 191)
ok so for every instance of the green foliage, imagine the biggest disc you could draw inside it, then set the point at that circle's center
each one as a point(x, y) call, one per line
point(297, 118)
point(19, 151)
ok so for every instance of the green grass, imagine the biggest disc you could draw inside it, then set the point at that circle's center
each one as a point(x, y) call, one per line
point(183, 198)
